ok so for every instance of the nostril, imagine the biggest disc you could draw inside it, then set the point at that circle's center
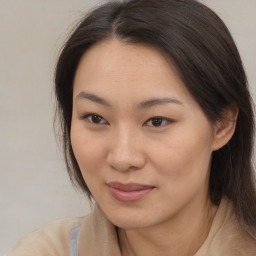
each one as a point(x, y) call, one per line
point(125, 161)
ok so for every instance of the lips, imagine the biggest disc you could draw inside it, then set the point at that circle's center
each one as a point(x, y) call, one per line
point(130, 192)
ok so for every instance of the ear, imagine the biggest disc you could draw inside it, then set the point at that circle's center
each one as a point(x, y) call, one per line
point(225, 128)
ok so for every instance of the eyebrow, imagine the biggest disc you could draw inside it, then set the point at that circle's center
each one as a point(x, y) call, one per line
point(158, 101)
point(93, 98)
point(145, 104)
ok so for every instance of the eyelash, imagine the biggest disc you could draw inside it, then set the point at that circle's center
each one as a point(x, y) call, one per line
point(155, 118)
point(91, 115)
point(159, 118)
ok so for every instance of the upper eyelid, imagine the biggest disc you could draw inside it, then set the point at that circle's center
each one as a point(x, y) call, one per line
point(169, 120)
point(87, 115)
point(164, 118)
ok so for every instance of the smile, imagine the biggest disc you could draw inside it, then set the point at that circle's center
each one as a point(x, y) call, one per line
point(128, 193)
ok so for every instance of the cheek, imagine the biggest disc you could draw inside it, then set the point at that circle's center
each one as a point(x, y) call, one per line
point(183, 175)
point(185, 161)
point(87, 150)
point(89, 155)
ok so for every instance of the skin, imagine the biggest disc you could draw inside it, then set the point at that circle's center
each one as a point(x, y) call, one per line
point(124, 144)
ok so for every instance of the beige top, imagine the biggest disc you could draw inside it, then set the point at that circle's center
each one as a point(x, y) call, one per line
point(94, 235)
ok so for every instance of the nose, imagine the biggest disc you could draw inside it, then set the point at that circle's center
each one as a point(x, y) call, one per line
point(126, 151)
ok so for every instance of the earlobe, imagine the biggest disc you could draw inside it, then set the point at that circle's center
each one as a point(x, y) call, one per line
point(225, 128)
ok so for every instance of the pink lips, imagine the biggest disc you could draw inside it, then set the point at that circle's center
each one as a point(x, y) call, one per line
point(130, 192)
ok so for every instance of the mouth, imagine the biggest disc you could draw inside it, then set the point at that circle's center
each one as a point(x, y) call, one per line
point(130, 192)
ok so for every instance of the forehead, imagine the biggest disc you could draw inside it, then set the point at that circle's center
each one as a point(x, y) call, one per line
point(111, 52)
point(125, 68)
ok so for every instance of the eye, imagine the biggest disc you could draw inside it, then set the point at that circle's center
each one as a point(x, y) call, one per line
point(95, 119)
point(158, 121)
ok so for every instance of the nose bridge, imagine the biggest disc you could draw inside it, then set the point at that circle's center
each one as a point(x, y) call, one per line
point(125, 150)
point(126, 136)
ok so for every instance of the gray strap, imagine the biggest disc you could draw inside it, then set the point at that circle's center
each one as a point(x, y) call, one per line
point(73, 242)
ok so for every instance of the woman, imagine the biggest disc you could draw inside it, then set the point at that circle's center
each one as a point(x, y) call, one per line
point(158, 127)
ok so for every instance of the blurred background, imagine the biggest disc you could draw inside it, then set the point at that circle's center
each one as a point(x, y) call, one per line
point(34, 185)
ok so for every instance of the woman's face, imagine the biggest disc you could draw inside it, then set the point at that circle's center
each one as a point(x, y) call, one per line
point(142, 142)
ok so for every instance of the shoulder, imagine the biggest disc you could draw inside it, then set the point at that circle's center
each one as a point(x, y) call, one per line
point(94, 228)
point(227, 237)
point(233, 240)
point(238, 239)
point(53, 239)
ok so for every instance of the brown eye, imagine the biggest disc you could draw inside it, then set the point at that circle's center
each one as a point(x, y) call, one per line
point(157, 121)
point(95, 119)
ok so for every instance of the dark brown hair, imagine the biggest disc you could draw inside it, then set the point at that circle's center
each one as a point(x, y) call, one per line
point(200, 46)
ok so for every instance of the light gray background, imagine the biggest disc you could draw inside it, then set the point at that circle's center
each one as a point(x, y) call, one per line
point(34, 186)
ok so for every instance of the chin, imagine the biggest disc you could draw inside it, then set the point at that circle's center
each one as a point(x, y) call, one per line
point(128, 218)
point(129, 224)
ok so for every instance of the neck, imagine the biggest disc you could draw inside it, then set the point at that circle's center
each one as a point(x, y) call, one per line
point(182, 235)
